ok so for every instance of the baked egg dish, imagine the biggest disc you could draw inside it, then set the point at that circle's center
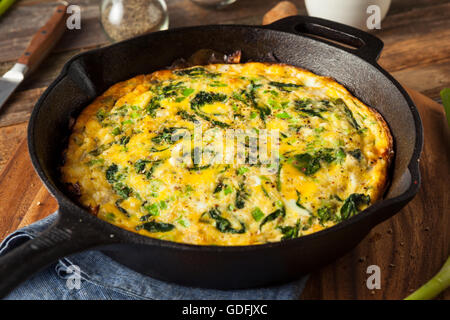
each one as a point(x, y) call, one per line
point(135, 158)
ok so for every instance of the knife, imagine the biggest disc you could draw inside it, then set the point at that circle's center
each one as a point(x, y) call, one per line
point(40, 45)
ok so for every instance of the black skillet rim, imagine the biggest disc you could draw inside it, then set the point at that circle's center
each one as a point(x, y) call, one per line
point(125, 236)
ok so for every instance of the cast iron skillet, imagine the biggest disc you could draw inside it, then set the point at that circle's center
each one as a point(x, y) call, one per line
point(315, 44)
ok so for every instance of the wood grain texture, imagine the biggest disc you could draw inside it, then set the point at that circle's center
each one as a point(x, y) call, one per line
point(414, 33)
point(409, 248)
point(10, 138)
point(45, 38)
point(18, 187)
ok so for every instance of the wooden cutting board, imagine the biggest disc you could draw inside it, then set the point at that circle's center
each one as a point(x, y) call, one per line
point(409, 248)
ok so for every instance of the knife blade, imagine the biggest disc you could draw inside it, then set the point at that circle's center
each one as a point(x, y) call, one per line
point(40, 45)
point(10, 81)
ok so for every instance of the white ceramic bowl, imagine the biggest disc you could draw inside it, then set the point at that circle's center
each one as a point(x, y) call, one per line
point(350, 12)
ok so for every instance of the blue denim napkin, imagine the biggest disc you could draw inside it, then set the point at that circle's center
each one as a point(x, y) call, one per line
point(93, 275)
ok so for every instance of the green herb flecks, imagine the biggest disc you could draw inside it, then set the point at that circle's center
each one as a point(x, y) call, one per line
point(257, 214)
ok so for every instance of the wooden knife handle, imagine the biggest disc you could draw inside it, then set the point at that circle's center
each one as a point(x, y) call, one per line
point(44, 40)
point(282, 10)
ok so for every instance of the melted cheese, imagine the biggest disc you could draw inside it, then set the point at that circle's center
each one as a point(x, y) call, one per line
point(334, 155)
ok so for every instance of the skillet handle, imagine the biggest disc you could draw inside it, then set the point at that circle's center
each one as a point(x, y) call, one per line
point(411, 180)
point(350, 39)
point(66, 236)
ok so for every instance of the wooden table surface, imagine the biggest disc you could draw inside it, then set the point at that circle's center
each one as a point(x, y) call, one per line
point(416, 34)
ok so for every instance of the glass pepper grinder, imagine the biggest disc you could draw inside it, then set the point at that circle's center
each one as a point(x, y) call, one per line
point(123, 19)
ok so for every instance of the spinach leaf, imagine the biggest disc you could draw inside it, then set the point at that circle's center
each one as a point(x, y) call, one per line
point(113, 177)
point(202, 98)
point(124, 140)
point(264, 190)
point(274, 215)
point(125, 212)
point(122, 190)
point(310, 163)
point(352, 204)
point(251, 95)
point(357, 154)
point(196, 72)
point(152, 106)
point(154, 226)
point(325, 214)
point(287, 87)
point(242, 196)
point(141, 167)
point(187, 116)
point(223, 225)
point(279, 177)
point(165, 136)
point(171, 90)
point(348, 113)
point(326, 154)
point(111, 173)
point(307, 107)
point(306, 163)
point(196, 167)
point(290, 232)
point(98, 151)
point(298, 203)
point(219, 187)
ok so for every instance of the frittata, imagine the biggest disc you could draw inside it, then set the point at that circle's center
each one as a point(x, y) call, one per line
point(330, 154)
